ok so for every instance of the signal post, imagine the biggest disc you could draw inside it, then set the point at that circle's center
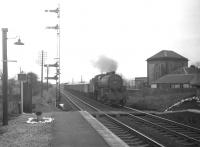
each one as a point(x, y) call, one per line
point(56, 65)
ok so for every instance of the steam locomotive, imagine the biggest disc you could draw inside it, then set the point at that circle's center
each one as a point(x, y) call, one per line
point(107, 88)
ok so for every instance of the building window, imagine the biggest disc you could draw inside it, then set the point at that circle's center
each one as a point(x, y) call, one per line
point(175, 86)
point(153, 85)
point(186, 85)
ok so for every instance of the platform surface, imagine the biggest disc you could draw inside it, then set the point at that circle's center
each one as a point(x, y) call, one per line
point(72, 130)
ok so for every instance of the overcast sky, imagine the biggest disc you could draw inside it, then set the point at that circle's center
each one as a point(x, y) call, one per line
point(127, 31)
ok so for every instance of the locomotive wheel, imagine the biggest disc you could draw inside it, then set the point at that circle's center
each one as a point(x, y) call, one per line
point(104, 99)
point(107, 101)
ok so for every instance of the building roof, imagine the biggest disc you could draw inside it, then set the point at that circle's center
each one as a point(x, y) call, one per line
point(187, 70)
point(167, 54)
point(193, 79)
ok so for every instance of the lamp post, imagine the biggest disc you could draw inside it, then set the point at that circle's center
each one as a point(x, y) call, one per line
point(5, 74)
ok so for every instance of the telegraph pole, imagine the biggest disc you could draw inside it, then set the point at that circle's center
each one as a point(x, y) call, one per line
point(42, 58)
point(47, 77)
point(42, 74)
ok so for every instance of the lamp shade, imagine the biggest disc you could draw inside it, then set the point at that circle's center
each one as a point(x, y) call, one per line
point(19, 42)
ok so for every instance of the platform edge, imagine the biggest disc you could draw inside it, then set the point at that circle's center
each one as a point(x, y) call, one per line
point(108, 136)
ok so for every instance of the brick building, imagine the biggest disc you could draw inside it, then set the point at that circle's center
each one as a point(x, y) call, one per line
point(140, 82)
point(163, 63)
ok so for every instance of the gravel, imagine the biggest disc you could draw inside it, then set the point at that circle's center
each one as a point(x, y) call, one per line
point(19, 133)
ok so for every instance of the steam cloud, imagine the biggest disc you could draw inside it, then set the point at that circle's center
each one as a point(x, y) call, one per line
point(105, 64)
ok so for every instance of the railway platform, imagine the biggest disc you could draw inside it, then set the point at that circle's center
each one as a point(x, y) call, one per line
point(80, 129)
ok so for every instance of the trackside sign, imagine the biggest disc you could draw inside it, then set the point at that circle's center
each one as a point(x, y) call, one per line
point(22, 77)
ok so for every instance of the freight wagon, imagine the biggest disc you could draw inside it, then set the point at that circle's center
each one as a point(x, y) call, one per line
point(81, 87)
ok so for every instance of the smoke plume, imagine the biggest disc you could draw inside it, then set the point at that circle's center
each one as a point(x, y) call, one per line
point(105, 64)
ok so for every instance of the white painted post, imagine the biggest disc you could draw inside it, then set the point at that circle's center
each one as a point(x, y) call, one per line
point(22, 77)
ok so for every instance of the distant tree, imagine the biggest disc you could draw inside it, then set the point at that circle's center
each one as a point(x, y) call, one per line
point(193, 66)
point(12, 84)
point(45, 85)
point(198, 64)
point(33, 79)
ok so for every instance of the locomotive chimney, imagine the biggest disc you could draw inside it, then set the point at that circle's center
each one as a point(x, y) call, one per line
point(112, 72)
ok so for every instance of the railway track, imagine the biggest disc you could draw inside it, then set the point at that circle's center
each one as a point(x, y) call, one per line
point(129, 135)
point(182, 134)
point(71, 106)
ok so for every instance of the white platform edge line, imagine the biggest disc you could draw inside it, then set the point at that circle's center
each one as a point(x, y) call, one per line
point(108, 136)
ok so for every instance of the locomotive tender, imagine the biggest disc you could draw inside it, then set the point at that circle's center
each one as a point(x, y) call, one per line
point(107, 88)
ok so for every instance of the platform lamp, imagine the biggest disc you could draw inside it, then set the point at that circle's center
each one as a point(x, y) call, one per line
point(5, 73)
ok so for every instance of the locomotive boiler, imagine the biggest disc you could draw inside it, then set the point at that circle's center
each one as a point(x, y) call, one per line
point(108, 88)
